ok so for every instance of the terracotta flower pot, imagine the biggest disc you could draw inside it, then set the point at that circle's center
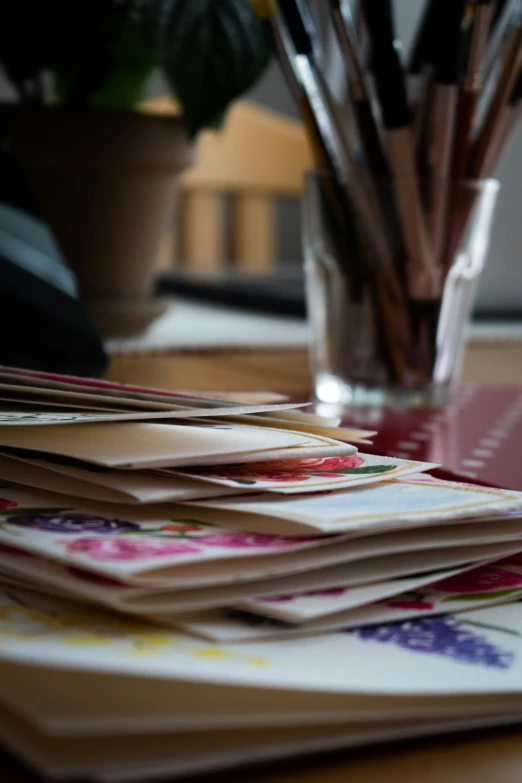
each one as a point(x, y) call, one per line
point(105, 181)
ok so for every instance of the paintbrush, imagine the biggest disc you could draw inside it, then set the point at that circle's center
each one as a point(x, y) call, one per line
point(345, 28)
point(471, 86)
point(488, 132)
point(423, 282)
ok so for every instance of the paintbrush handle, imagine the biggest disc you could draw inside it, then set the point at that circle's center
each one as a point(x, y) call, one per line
point(374, 153)
point(487, 135)
point(423, 280)
point(465, 112)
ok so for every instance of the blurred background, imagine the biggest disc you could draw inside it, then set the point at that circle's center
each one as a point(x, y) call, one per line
point(259, 157)
point(501, 285)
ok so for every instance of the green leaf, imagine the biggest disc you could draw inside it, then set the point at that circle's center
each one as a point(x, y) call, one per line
point(134, 61)
point(86, 44)
point(212, 51)
point(479, 596)
point(243, 481)
point(367, 469)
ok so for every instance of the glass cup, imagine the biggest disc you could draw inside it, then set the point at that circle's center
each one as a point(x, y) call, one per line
point(387, 311)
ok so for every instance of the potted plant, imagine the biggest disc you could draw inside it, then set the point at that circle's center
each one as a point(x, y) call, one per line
point(102, 171)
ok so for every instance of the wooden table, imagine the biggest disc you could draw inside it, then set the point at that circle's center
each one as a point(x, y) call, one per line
point(490, 364)
point(485, 757)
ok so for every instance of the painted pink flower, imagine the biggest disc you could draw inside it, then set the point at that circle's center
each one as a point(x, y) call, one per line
point(244, 540)
point(292, 469)
point(415, 605)
point(4, 503)
point(479, 580)
point(127, 548)
point(326, 464)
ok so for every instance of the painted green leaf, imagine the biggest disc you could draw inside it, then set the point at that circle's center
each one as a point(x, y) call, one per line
point(367, 469)
point(243, 481)
point(212, 51)
point(479, 596)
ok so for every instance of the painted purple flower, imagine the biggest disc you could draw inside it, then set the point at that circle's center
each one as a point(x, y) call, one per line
point(71, 522)
point(127, 548)
point(243, 540)
point(443, 636)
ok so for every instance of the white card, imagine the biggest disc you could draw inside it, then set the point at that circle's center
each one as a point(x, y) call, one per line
point(26, 418)
point(114, 393)
point(309, 475)
point(487, 585)
point(157, 545)
point(106, 485)
point(70, 703)
point(300, 607)
point(250, 622)
point(160, 756)
point(408, 502)
point(74, 581)
point(337, 739)
point(124, 486)
point(56, 397)
point(150, 445)
point(474, 653)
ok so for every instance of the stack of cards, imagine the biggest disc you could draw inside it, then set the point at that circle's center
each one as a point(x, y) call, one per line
point(138, 527)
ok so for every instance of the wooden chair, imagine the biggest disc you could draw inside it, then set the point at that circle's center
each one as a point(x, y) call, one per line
point(257, 156)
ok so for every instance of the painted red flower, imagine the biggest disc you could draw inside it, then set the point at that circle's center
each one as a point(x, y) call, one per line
point(327, 464)
point(5, 503)
point(479, 580)
point(416, 605)
point(182, 528)
point(512, 560)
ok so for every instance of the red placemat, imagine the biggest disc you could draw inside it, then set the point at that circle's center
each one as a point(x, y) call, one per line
point(477, 436)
